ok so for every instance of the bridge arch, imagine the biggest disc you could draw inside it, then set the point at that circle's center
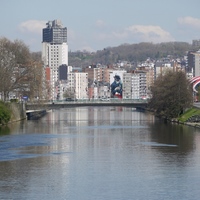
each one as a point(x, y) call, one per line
point(195, 81)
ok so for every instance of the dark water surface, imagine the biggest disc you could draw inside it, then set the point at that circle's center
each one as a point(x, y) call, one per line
point(99, 153)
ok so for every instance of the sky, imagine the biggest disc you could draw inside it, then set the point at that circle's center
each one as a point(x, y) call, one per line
point(93, 25)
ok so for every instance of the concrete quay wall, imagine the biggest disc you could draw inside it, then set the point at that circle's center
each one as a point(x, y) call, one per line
point(18, 111)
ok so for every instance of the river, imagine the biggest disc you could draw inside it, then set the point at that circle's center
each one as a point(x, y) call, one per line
point(99, 153)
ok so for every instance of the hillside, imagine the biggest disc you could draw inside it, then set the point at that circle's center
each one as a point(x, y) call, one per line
point(129, 52)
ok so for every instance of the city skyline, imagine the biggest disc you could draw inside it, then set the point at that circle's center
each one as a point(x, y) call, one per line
point(94, 25)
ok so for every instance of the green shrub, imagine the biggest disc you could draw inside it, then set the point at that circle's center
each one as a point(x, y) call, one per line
point(5, 113)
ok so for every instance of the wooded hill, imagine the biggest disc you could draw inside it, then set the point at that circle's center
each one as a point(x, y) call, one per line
point(130, 52)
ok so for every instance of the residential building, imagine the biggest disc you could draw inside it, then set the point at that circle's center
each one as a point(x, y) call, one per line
point(196, 43)
point(196, 63)
point(103, 91)
point(150, 76)
point(135, 86)
point(81, 85)
point(98, 73)
point(142, 84)
point(54, 54)
point(99, 81)
point(127, 86)
point(190, 61)
point(70, 88)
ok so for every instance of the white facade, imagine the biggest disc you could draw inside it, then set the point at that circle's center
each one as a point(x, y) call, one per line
point(135, 86)
point(197, 64)
point(71, 83)
point(127, 86)
point(96, 96)
point(69, 69)
point(78, 83)
point(103, 92)
point(143, 85)
point(53, 56)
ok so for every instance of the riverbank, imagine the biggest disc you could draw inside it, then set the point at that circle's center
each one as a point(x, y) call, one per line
point(193, 124)
point(189, 118)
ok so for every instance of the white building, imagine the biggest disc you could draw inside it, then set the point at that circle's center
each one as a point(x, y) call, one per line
point(81, 85)
point(127, 86)
point(134, 85)
point(197, 63)
point(78, 84)
point(54, 53)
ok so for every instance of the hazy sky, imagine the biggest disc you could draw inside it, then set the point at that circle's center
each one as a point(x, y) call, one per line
point(96, 24)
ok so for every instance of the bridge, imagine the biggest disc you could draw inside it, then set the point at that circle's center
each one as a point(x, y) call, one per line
point(138, 104)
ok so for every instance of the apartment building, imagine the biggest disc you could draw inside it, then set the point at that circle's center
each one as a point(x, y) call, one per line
point(54, 54)
point(135, 85)
point(81, 85)
point(196, 43)
point(98, 73)
point(196, 70)
point(127, 85)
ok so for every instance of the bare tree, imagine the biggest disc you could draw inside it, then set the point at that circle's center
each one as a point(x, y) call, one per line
point(69, 93)
point(7, 67)
point(19, 74)
point(36, 81)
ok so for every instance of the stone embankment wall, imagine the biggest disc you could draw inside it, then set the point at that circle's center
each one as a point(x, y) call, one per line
point(194, 119)
point(18, 111)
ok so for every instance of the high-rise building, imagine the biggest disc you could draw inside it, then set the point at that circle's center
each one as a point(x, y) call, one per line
point(197, 63)
point(196, 43)
point(54, 33)
point(54, 55)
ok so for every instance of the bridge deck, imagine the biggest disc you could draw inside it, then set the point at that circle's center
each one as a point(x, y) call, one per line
point(63, 104)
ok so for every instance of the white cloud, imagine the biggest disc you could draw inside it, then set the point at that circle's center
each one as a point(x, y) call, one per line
point(189, 21)
point(100, 23)
point(147, 33)
point(32, 26)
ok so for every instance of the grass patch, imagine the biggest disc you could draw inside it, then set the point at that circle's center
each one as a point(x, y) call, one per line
point(189, 113)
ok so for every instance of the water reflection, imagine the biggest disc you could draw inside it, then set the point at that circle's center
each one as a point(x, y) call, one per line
point(99, 153)
point(4, 130)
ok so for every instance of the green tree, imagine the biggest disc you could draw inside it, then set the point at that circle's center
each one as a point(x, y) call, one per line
point(171, 95)
point(5, 113)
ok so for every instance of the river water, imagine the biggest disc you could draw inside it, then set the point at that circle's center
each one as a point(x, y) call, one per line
point(99, 153)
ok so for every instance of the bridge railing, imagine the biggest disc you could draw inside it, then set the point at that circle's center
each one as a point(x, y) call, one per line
point(99, 101)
